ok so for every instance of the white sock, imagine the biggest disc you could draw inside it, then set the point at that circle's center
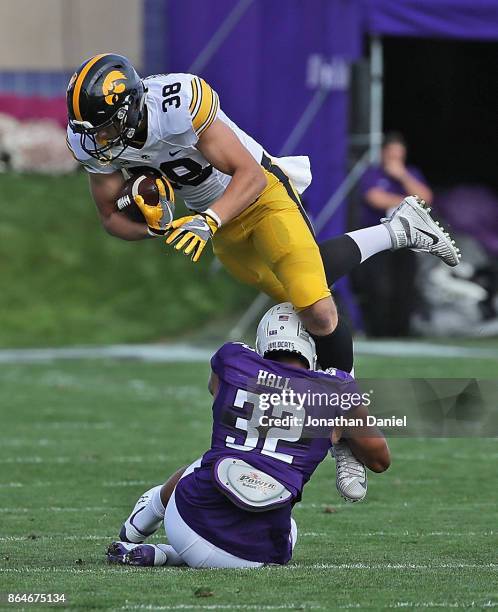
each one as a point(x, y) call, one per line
point(146, 520)
point(173, 557)
point(156, 502)
point(372, 240)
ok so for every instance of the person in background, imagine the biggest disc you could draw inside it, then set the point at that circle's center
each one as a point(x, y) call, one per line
point(385, 284)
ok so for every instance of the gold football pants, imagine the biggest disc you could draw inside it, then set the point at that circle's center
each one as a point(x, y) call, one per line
point(270, 245)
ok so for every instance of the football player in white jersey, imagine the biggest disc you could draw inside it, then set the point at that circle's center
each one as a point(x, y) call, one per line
point(244, 201)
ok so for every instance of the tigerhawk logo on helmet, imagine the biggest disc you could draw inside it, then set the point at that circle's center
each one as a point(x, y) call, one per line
point(111, 86)
point(105, 93)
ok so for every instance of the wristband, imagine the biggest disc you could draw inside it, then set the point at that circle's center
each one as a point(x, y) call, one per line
point(155, 233)
point(210, 213)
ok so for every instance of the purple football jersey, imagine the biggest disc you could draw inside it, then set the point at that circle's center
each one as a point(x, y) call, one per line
point(247, 429)
point(375, 176)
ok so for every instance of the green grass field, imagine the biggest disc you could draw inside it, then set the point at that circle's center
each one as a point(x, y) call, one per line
point(70, 283)
point(81, 440)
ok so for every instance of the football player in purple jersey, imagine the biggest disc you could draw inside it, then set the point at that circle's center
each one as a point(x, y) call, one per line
point(232, 507)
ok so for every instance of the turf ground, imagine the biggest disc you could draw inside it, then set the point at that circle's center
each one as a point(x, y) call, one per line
point(74, 284)
point(81, 440)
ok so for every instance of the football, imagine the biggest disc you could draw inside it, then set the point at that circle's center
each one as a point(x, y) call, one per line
point(141, 183)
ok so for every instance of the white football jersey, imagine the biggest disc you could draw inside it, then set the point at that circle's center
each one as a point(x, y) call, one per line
point(180, 108)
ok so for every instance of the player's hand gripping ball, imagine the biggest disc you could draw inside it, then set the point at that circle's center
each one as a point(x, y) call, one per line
point(148, 197)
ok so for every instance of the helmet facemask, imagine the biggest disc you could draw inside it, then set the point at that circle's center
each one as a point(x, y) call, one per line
point(105, 95)
point(125, 122)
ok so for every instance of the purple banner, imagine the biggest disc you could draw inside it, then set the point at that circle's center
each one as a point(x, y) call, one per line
point(465, 19)
point(281, 69)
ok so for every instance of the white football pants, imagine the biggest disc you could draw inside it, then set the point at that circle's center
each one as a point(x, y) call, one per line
point(194, 549)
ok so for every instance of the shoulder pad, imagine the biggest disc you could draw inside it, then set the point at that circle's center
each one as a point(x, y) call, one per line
point(184, 103)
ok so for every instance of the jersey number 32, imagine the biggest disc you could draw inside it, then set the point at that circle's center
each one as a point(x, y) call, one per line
point(271, 436)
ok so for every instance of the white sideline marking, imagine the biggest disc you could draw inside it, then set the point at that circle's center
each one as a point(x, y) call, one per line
point(72, 425)
point(60, 509)
point(421, 534)
point(418, 534)
point(55, 483)
point(142, 352)
point(127, 483)
point(64, 459)
point(393, 505)
point(224, 607)
point(430, 604)
point(398, 348)
point(344, 506)
point(393, 566)
point(186, 353)
point(68, 538)
point(309, 534)
point(288, 568)
point(444, 604)
point(470, 505)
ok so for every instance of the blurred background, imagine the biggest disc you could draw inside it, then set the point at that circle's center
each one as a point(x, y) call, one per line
point(369, 90)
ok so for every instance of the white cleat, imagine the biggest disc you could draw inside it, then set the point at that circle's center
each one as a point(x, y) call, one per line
point(411, 226)
point(129, 531)
point(351, 475)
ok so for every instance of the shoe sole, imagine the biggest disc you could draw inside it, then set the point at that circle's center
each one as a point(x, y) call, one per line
point(114, 554)
point(424, 214)
point(350, 500)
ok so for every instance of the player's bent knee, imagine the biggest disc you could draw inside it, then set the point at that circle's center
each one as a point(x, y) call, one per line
point(305, 296)
point(381, 462)
point(320, 318)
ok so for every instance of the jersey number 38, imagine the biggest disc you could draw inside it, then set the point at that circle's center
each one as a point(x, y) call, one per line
point(184, 171)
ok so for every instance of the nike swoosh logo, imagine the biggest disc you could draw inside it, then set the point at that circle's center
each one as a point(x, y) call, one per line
point(173, 153)
point(435, 239)
point(202, 225)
